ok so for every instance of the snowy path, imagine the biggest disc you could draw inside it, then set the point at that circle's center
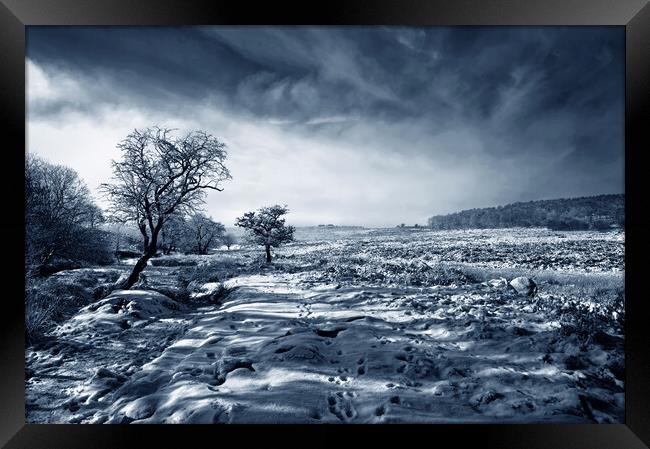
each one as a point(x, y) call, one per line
point(282, 351)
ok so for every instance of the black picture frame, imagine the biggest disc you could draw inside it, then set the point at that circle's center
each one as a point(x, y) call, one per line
point(634, 15)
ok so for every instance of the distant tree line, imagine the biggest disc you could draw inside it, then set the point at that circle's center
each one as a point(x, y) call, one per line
point(594, 212)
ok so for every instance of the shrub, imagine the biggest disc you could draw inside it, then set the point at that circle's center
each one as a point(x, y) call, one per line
point(201, 274)
point(567, 224)
point(94, 246)
point(587, 307)
point(600, 225)
point(127, 253)
point(173, 262)
point(41, 309)
point(51, 300)
point(44, 305)
point(180, 294)
point(55, 265)
point(379, 271)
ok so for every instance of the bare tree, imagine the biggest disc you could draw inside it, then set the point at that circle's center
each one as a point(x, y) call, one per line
point(172, 233)
point(160, 175)
point(229, 240)
point(95, 216)
point(266, 227)
point(201, 233)
point(60, 216)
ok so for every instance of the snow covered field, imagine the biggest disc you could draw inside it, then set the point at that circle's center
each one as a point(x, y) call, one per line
point(352, 326)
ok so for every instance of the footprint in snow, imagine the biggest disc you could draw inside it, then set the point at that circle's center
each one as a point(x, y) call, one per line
point(338, 380)
point(341, 406)
point(361, 369)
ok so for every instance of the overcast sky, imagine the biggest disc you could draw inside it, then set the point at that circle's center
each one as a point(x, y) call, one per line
point(347, 125)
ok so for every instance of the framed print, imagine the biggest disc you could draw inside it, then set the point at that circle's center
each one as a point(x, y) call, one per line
point(419, 218)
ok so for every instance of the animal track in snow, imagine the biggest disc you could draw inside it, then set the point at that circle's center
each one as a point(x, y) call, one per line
point(361, 369)
point(305, 310)
point(338, 380)
point(341, 406)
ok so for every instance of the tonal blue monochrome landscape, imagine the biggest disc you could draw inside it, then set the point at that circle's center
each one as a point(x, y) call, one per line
point(324, 225)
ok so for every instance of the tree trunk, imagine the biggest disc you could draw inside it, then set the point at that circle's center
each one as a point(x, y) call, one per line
point(268, 253)
point(145, 237)
point(137, 269)
point(141, 264)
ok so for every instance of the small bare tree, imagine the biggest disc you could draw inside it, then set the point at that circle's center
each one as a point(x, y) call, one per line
point(266, 227)
point(229, 240)
point(172, 233)
point(160, 175)
point(201, 233)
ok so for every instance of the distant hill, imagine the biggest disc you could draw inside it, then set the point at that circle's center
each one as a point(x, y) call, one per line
point(591, 212)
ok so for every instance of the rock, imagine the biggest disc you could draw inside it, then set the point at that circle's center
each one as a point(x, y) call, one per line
point(306, 352)
point(524, 286)
point(211, 291)
point(104, 373)
point(498, 283)
point(486, 398)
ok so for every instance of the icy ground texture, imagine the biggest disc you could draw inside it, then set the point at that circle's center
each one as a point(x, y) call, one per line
point(359, 327)
point(282, 350)
point(523, 248)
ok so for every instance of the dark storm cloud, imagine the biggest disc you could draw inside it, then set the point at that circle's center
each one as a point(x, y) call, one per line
point(361, 69)
point(544, 105)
